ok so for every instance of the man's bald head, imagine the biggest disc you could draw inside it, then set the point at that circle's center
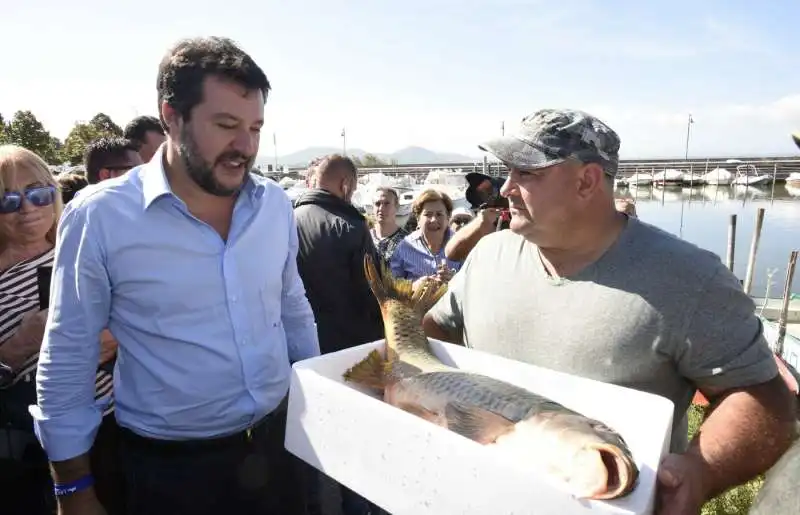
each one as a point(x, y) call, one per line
point(336, 174)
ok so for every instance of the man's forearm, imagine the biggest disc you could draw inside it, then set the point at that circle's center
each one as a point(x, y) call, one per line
point(16, 350)
point(71, 470)
point(434, 330)
point(744, 435)
point(463, 241)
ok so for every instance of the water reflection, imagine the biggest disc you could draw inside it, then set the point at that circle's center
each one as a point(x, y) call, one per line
point(701, 215)
point(710, 193)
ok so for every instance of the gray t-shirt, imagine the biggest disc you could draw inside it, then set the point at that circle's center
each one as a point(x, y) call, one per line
point(654, 313)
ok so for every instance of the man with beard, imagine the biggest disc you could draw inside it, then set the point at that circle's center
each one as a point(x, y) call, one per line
point(577, 286)
point(333, 241)
point(190, 261)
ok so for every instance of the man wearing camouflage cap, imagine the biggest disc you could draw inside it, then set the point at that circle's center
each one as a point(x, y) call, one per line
point(577, 286)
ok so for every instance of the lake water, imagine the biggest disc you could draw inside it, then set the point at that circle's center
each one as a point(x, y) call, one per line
point(701, 215)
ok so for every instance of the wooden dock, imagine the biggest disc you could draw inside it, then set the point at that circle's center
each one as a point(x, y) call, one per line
point(773, 307)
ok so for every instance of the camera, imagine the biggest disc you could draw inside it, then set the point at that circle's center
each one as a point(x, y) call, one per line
point(484, 191)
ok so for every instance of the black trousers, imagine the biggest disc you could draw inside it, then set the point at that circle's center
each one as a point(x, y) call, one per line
point(241, 474)
point(25, 486)
point(109, 482)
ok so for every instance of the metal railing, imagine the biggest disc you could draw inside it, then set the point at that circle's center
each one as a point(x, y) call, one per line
point(777, 167)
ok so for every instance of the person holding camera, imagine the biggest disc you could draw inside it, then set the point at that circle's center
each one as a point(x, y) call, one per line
point(579, 287)
point(483, 194)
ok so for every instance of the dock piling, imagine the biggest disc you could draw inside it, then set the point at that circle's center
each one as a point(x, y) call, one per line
point(751, 260)
point(787, 295)
point(774, 179)
point(731, 242)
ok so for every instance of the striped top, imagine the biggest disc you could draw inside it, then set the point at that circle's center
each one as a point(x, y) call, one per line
point(387, 245)
point(413, 259)
point(19, 294)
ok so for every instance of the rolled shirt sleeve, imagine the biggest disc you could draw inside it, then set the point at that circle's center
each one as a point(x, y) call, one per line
point(448, 312)
point(66, 417)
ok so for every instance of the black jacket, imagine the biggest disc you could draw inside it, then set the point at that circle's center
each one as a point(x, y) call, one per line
point(334, 238)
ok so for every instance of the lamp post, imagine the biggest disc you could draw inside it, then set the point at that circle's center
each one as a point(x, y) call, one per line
point(344, 142)
point(275, 147)
point(688, 132)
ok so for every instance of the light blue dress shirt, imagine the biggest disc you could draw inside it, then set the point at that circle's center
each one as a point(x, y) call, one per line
point(413, 259)
point(207, 329)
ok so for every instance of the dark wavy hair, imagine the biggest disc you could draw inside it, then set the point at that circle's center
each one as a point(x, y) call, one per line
point(182, 72)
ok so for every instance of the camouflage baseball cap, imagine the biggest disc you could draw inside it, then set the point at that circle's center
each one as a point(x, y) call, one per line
point(550, 136)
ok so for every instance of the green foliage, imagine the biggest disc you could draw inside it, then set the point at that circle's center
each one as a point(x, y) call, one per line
point(85, 132)
point(735, 501)
point(369, 161)
point(27, 131)
point(2, 130)
point(104, 125)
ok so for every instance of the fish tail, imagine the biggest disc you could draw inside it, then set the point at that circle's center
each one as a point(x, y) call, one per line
point(387, 287)
point(369, 372)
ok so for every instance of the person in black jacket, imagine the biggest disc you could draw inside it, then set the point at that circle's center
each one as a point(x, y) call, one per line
point(334, 237)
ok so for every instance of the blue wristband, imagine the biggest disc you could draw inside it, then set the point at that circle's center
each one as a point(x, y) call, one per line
point(74, 486)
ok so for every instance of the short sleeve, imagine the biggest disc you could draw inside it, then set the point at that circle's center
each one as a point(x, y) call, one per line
point(724, 345)
point(448, 312)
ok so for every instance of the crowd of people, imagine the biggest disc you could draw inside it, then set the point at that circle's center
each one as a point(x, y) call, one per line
point(149, 375)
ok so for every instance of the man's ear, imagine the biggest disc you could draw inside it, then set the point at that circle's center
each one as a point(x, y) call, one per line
point(171, 117)
point(590, 179)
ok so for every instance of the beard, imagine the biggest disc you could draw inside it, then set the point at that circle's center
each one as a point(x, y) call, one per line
point(202, 173)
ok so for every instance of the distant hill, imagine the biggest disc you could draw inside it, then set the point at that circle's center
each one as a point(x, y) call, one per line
point(408, 155)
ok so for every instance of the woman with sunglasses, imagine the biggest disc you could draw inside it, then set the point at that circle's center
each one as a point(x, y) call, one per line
point(30, 206)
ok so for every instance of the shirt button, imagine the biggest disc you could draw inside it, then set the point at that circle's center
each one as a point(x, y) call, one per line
point(233, 298)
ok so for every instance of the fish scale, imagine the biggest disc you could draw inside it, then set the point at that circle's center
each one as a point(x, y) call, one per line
point(486, 393)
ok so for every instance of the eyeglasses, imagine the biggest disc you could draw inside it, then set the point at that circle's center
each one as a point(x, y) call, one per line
point(39, 196)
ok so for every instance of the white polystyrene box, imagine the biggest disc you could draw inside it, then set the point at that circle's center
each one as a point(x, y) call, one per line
point(409, 466)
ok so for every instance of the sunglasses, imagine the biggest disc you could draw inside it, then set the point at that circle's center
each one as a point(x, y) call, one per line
point(39, 196)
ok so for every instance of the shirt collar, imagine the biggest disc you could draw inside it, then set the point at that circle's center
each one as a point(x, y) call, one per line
point(155, 184)
point(154, 180)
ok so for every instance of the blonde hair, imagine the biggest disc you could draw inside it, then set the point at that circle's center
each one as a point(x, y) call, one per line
point(431, 195)
point(13, 159)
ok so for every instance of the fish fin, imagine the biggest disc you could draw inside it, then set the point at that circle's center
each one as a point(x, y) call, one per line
point(393, 367)
point(369, 372)
point(475, 423)
point(385, 286)
point(377, 282)
point(427, 295)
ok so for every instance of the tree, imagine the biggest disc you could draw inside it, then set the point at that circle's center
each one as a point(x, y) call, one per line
point(104, 125)
point(27, 131)
point(84, 133)
point(2, 130)
point(369, 161)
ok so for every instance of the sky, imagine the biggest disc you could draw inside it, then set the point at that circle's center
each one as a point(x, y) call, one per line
point(441, 74)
